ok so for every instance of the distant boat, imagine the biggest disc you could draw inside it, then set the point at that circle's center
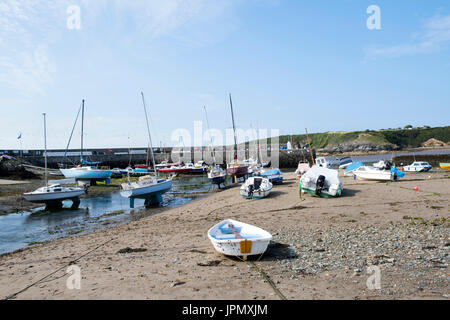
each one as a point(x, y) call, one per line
point(322, 182)
point(302, 168)
point(41, 171)
point(418, 166)
point(217, 175)
point(445, 166)
point(175, 169)
point(274, 175)
point(383, 165)
point(235, 238)
point(52, 193)
point(344, 162)
point(322, 162)
point(85, 170)
point(199, 168)
point(148, 187)
point(256, 188)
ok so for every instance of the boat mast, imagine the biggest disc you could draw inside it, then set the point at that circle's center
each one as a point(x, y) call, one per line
point(258, 156)
point(212, 148)
point(82, 128)
point(310, 151)
point(234, 130)
point(45, 151)
point(149, 136)
point(70, 138)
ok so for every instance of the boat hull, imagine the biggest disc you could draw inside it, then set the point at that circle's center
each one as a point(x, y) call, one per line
point(52, 196)
point(238, 172)
point(332, 185)
point(148, 191)
point(262, 191)
point(226, 243)
point(416, 169)
point(80, 173)
point(445, 166)
point(378, 176)
point(172, 170)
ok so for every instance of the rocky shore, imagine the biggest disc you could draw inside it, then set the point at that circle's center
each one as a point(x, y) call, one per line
point(322, 248)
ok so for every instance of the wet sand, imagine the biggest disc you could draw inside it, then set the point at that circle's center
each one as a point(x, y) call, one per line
point(322, 248)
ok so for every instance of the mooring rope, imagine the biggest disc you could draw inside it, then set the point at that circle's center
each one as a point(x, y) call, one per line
point(265, 276)
point(52, 273)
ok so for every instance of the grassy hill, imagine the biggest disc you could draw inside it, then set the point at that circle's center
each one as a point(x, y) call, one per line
point(401, 138)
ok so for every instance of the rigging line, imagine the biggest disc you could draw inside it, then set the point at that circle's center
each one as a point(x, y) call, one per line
point(52, 273)
point(71, 133)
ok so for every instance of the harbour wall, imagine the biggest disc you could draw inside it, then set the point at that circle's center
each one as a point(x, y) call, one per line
point(281, 159)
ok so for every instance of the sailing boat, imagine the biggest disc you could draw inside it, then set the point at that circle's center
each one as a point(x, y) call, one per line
point(234, 168)
point(147, 187)
point(216, 174)
point(55, 193)
point(85, 170)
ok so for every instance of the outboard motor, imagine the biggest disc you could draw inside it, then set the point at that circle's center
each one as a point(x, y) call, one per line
point(251, 188)
point(387, 165)
point(320, 183)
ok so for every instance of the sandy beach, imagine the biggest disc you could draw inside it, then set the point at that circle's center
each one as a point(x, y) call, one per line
point(321, 250)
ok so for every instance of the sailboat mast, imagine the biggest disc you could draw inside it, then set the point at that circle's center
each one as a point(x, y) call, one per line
point(234, 129)
point(212, 148)
point(45, 151)
point(82, 130)
point(149, 136)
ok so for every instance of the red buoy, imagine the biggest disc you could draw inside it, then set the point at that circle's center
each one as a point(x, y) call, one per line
point(416, 188)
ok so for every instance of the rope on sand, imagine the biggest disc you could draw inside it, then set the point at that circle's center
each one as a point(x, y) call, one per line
point(267, 278)
point(52, 273)
point(264, 275)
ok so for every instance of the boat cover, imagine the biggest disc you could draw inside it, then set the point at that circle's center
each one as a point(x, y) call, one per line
point(89, 163)
point(353, 166)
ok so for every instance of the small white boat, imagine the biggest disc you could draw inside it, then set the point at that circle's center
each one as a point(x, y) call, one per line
point(321, 181)
point(274, 175)
point(217, 175)
point(256, 188)
point(148, 187)
point(235, 238)
point(344, 162)
point(418, 166)
point(382, 165)
point(53, 193)
point(322, 162)
point(302, 168)
point(371, 173)
point(145, 186)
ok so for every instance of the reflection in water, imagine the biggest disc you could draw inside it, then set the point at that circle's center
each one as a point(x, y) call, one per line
point(18, 230)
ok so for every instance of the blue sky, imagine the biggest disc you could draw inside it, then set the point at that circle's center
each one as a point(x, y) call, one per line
point(289, 65)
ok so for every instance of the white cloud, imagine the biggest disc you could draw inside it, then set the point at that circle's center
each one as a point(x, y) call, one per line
point(28, 29)
point(435, 34)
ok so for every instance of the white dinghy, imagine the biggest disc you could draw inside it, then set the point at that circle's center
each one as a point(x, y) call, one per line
point(322, 182)
point(235, 238)
point(256, 188)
